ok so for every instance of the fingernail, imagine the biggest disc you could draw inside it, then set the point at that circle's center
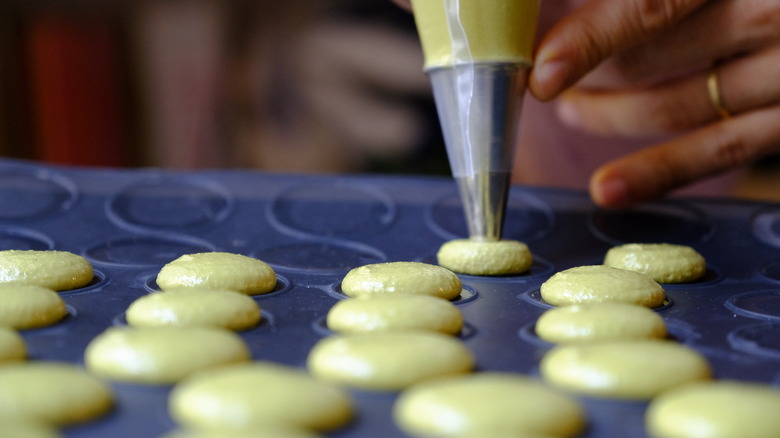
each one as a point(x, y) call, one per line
point(612, 192)
point(551, 76)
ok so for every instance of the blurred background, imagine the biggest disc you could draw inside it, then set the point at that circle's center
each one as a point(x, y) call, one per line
point(304, 85)
point(293, 86)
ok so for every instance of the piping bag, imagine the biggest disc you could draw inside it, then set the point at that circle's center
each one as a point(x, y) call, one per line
point(477, 56)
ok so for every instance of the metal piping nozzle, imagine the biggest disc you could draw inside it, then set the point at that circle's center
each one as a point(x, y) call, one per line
point(479, 111)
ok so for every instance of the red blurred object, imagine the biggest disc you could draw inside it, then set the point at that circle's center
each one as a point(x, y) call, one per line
point(76, 100)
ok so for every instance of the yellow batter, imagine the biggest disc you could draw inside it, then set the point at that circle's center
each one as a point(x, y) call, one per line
point(388, 361)
point(256, 395)
point(505, 435)
point(259, 432)
point(591, 322)
point(161, 355)
point(663, 262)
point(487, 405)
point(12, 346)
point(401, 278)
point(476, 257)
point(724, 409)
point(194, 307)
point(14, 429)
point(601, 284)
point(52, 393)
point(395, 312)
point(496, 30)
point(56, 270)
point(24, 307)
point(636, 370)
point(218, 270)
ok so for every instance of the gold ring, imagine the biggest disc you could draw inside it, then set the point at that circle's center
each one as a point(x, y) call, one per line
point(715, 96)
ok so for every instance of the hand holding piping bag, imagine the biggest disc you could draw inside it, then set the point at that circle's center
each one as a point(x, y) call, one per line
point(703, 71)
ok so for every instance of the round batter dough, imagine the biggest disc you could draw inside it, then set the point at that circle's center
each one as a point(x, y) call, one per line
point(256, 395)
point(724, 409)
point(591, 322)
point(663, 262)
point(504, 435)
point(487, 405)
point(161, 355)
point(623, 369)
point(12, 346)
point(51, 393)
point(260, 432)
point(14, 429)
point(601, 284)
point(388, 361)
point(395, 312)
point(24, 307)
point(218, 270)
point(194, 307)
point(477, 257)
point(401, 278)
point(56, 270)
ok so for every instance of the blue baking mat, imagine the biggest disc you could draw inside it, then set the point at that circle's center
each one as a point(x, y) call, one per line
point(313, 229)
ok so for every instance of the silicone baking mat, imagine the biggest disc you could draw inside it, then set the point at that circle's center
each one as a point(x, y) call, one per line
point(313, 229)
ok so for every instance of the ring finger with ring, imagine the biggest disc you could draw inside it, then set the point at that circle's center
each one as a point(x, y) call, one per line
point(735, 86)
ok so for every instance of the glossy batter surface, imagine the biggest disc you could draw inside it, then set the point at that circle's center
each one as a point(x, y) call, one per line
point(724, 409)
point(487, 405)
point(401, 278)
point(663, 262)
point(52, 393)
point(255, 432)
point(56, 270)
point(194, 307)
point(474, 257)
point(592, 322)
point(25, 306)
point(636, 370)
point(161, 355)
point(218, 270)
point(12, 346)
point(388, 361)
point(14, 429)
point(256, 395)
point(395, 312)
point(601, 284)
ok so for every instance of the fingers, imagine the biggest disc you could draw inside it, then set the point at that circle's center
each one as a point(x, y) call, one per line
point(406, 4)
point(719, 30)
point(595, 31)
point(752, 81)
point(649, 85)
point(652, 172)
point(639, 112)
point(745, 83)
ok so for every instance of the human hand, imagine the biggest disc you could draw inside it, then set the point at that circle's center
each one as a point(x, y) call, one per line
point(656, 51)
point(406, 4)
